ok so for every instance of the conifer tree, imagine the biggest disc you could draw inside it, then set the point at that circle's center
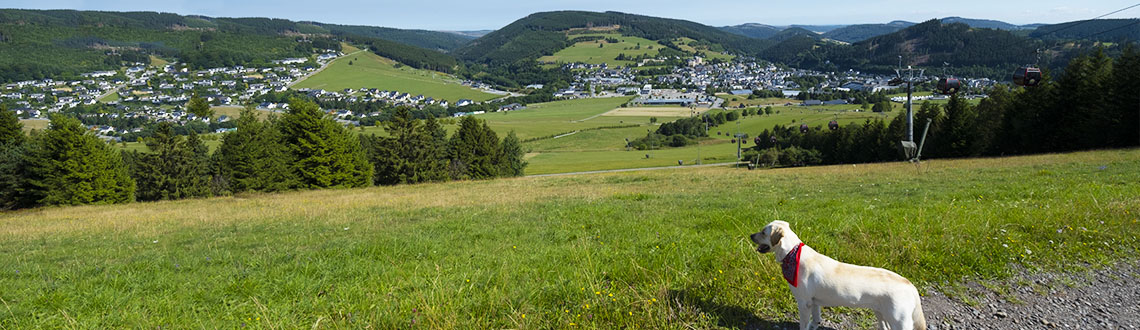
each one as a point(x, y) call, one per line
point(11, 130)
point(253, 157)
point(12, 163)
point(176, 167)
point(411, 143)
point(437, 150)
point(474, 150)
point(324, 154)
point(512, 154)
point(957, 128)
point(70, 166)
point(1126, 99)
point(199, 107)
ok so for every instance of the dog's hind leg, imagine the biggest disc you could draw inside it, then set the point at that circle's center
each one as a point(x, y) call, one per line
point(882, 322)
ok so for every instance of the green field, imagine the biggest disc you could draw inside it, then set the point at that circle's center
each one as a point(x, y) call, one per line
point(369, 70)
point(683, 43)
point(604, 149)
point(590, 52)
point(650, 249)
point(543, 119)
point(31, 124)
point(110, 98)
point(212, 141)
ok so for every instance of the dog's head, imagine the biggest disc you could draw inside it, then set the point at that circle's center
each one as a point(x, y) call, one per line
point(770, 236)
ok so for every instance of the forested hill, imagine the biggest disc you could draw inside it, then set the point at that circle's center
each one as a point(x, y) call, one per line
point(1116, 30)
point(753, 30)
point(979, 52)
point(38, 44)
point(860, 32)
point(544, 33)
point(434, 40)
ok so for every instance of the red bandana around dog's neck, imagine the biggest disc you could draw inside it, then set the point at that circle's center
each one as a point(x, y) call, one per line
point(791, 265)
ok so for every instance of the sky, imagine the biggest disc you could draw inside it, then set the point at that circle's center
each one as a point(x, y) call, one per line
point(464, 15)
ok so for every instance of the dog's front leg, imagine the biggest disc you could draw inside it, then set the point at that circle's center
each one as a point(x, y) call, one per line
point(816, 309)
point(805, 309)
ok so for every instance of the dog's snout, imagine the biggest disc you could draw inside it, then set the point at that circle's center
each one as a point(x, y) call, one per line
point(753, 236)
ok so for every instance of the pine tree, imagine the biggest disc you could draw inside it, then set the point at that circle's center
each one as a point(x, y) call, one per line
point(1126, 99)
point(324, 153)
point(11, 130)
point(474, 150)
point(70, 166)
point(413, 158)
point(512, 154)
point(176, 167)
point(199, 107)
point(12, 162)
point(957, 128)
point(436, 170)
point(254, 158)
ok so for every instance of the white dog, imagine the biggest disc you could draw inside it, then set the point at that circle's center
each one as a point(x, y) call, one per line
point(817, 280)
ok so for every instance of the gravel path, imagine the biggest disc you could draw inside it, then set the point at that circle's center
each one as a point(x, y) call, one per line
point(1107, 298)
point(1099, 299)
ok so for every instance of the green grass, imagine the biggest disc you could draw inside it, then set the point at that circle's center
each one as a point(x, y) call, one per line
point(369, 70)
point(591, 150)
point(234, 112)
point(155, 61)
point(589, 52)
point(683, 43)
point(31, 124)
point(110, 98)
point(212, 141)
point(733, 101)
point(670, 246)
point(543, 119)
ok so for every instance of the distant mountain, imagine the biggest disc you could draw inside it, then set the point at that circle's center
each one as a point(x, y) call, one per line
point(860, 32)
point(434, 40)
point(793, 32)
point(753, 30)
point(978, 52)
point(818, 28)
point(1100, 30)
point(545, 33)
point(983, 23)
point(472, 34)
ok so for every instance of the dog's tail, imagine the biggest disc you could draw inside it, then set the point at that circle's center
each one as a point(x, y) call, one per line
point(919, 318)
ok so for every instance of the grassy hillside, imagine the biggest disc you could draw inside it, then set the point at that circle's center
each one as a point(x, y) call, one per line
point(539, 34)
point(70, 42)
point(656, 249)
point(372, 71)
point(600, 51)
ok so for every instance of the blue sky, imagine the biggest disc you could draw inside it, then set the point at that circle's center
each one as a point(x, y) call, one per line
point(493, 14)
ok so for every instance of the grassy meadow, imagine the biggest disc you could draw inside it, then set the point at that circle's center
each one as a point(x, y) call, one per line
point(654, 249)
point(369, 70)
point(590, 52)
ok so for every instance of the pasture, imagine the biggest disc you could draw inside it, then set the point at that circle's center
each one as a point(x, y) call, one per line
point(580, 148)
point(600, 51)
point(654, 249)
point(369, 70)
point(31, 124)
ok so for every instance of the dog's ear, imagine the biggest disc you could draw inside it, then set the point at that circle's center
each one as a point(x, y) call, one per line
point(777, 234)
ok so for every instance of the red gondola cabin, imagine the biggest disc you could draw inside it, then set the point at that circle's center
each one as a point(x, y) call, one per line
point(1027, 76)
point(949, 85)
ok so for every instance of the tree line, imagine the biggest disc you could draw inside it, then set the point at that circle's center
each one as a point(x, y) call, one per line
point(1094, 103)
point(66, 164)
